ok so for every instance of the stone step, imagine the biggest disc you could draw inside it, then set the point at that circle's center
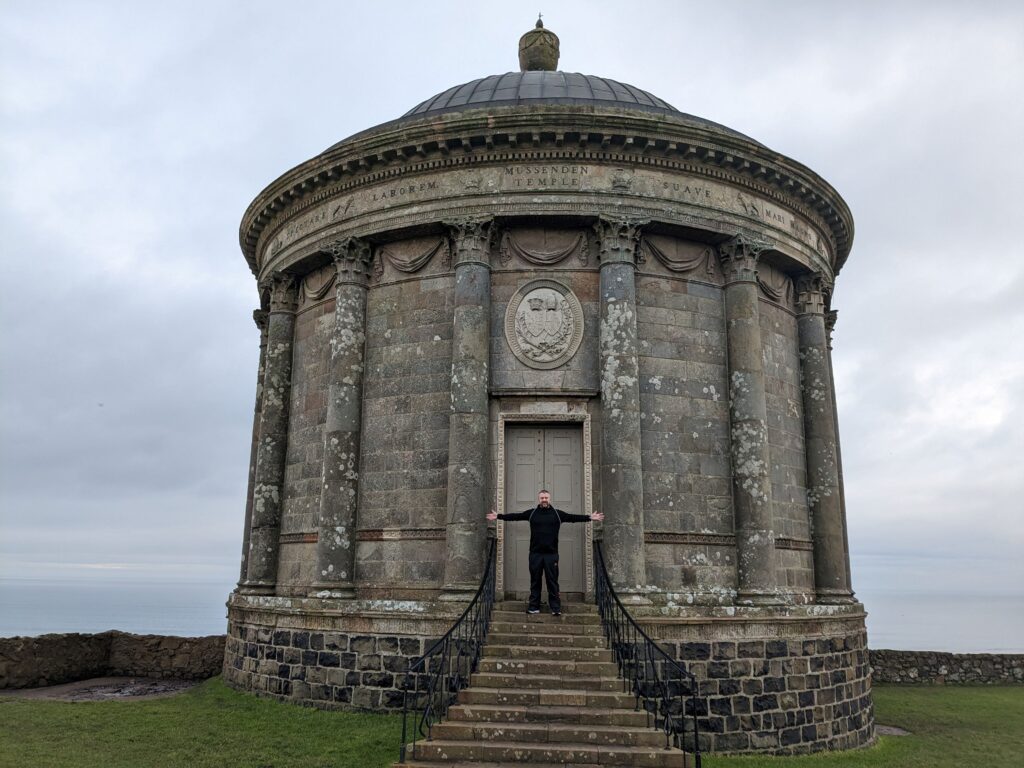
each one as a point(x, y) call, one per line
point(549, 733)
point(533, 697)
point(565, 754)
point(547, 682)
point(545, 617)
point(551, 627)
point(568, 609)
point(546, 640)
point(538, 653)
point(501, 713)
point(562, 667)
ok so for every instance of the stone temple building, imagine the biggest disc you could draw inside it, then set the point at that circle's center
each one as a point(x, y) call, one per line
point(544, 279)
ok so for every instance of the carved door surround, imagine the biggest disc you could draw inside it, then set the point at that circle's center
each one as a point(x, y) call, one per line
point(546, 414)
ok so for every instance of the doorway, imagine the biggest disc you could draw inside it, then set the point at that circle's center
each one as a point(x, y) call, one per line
point(544, 457)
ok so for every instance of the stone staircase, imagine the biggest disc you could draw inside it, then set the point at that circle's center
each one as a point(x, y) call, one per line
point(546, 693)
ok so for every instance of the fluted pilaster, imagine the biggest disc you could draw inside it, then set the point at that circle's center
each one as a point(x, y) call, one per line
point(339, 488)
point(824, 493)
point(621, 464)
point(268, 483)
point(260, 317)
point(466, 530)
point(751, 463)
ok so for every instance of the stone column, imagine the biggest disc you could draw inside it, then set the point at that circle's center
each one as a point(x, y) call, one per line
point(466, 531)
point(268, 484)
point(339, 488)
point(622, 491)
point(259, 317)
point(830, 325)
point(752, 490)
point(831, 581)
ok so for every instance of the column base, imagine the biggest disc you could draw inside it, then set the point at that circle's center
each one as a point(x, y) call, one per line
point(834, 597)
point(633, 597)
point(759, 598)
point(456, 593)
point(257, 588)
point(333, 590)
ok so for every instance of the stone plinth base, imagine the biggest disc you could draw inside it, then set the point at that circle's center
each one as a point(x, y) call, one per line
point(783, 680)
point(327, 653)
point(780, 680)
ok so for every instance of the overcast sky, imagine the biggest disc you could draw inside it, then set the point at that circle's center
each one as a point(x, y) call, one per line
point(133, 136)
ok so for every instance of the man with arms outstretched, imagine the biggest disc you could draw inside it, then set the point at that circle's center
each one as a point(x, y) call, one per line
point(545, 522)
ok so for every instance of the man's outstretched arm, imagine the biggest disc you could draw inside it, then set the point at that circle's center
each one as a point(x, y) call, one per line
point(568, 517)
point(492, 515)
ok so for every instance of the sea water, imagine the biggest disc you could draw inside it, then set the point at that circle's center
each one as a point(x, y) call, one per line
point(897, 620)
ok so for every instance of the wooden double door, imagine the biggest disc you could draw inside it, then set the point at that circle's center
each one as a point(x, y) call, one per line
point(548, 458)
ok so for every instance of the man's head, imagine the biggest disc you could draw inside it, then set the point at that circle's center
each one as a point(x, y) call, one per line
point(544, 499)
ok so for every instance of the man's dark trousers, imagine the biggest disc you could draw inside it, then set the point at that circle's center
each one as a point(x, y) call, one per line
point(548, 565)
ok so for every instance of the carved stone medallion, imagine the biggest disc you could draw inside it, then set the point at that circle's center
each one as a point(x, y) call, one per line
point(544, 324)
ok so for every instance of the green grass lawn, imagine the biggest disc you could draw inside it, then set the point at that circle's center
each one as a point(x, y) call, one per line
point(211, 725)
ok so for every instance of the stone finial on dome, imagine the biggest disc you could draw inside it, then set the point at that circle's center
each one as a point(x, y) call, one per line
point(538, 49)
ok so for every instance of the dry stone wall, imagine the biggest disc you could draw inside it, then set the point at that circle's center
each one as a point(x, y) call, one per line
point(28, 662)
point(937, 668)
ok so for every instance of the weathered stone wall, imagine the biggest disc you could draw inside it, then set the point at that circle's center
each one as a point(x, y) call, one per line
point(579, 374)
point(782, 695)
point(304, 465)
point(27, 662)
point(685, 437)
point(331, 670)
point(404, 453)
point(937, 668)
point(788, 471)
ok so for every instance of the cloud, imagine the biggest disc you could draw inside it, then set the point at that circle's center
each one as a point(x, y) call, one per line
point(133, 137)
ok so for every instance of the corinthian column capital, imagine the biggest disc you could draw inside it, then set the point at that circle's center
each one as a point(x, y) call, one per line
point(259, 316)
point(618, 239)
point(739, 256)
point(830, 325)
point(810, 294)
point(351, 257)
point(473, 240)
point(283, 292)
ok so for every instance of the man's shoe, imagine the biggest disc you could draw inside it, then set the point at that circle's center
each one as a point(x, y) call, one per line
point(556, 613)
point(533, 610)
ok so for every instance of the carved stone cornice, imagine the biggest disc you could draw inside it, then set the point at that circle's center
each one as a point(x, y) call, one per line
point(284, 295)
point(352, 258)
point(473, 240)
point(618, 240)
point(830, 325)
point(738, 257)
point(810, 294)
point(260, 317)
point(412, 147)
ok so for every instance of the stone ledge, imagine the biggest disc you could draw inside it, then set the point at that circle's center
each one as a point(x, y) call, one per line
point(27, 662)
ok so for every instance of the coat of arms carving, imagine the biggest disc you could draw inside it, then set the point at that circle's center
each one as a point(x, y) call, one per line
point(544, 324)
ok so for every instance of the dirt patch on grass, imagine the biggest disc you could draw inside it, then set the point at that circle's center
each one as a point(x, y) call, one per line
point(106, 689)
point(890, 730)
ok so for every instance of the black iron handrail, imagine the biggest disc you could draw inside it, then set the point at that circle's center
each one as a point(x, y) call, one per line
point(434, 680)
point(661, 683)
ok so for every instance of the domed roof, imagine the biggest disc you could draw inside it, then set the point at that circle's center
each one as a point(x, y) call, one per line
point(540, 87)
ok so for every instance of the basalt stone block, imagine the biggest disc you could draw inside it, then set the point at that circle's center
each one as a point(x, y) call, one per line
point(695, 651)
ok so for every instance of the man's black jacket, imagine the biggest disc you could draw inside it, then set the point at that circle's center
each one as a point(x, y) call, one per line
point(544, 525)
